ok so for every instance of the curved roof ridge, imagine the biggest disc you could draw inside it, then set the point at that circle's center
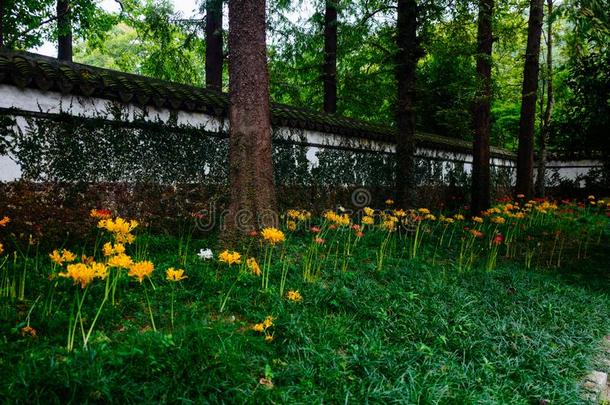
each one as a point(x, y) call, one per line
point(25, 69)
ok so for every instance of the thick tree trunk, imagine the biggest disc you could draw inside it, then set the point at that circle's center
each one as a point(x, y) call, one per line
point(64, 28)
point(525, 156)
point(406, 64)
point(213, 41)
point(481, 199)
point(546, 119)
point(330, 57)
point(253, 203)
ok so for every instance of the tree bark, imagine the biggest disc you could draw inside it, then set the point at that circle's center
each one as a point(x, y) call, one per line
point(330, 57)
point(525, 155)
point(252, 196)
point(64, 29)
point(481, 198)
point(546, 119)
point(406, 64)
point(213, 41)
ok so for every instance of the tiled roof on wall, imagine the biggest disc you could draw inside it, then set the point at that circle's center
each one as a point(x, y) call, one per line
point(23, 69)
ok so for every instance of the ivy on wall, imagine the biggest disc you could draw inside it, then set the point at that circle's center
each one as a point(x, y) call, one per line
point(69, 149)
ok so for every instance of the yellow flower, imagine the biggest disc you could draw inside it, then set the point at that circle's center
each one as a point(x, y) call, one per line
point(368, 220)
point(458, 217)
point(591, 197)
point(498, 220)
point(295, 296)
point(400, 213)
point(273, 235)
point(80, 273)
point(141, 269)
point(448, 220)
point(99, 270)
point(478, 220)
point(291, 225)
point(175, 275)
point(107, 249)
point(65, 257)
point(1, 248)
point(430, 217)
point(229, 257)
point(389, 201)
point(423, 211)
point(369, 211)
point(253, 266)
point(121, 261)
point(4, 221)
point(389, 225)
point(268, 338)
point(268, 322)
point(258, 327)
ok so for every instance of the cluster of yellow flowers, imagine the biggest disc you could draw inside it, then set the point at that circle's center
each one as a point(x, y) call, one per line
point(120, 228)
point(229, 257)
point(498, 220)
point(263, 327)
point(298, 215)
point(3, 223)
point(172, 274)
point(273, 235)
point(85, 273)
point(337, 219)
point(64, 257)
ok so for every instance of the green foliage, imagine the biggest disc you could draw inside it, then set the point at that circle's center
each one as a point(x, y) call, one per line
point(413, 332)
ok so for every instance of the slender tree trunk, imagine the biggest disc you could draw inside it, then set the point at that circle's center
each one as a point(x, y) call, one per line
point(546, 119)
point(481, 199)
point(1, 23)
point(406, 64)
point(213, 41)
point(253, 203)
point(64, 27)
point(525, 156)
point(330, 57)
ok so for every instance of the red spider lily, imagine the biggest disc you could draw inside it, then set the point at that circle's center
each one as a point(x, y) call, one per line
point(315, 229)
point(498, 239)
point(356, 227)
point(319, 241)
point(253, 234)
point(332, 226)
point(359, 234)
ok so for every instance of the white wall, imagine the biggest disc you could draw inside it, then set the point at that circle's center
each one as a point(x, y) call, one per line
point(34, 100)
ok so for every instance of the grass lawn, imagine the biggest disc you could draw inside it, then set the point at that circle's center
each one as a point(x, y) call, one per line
point(411, 332)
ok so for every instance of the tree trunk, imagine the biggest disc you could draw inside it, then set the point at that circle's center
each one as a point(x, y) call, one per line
point(1, 23)
point(481, 199)
point(330, 57)
point(525, 158)
point(64, 31)
point(253, 203)
point(406, 64)
point(546, 119)
point(213, 42)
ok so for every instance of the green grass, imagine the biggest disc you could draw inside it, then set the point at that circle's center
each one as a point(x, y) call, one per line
point(412, 333)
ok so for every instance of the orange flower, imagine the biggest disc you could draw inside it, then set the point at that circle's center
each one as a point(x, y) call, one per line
point(4, 221)
point(141, 269)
